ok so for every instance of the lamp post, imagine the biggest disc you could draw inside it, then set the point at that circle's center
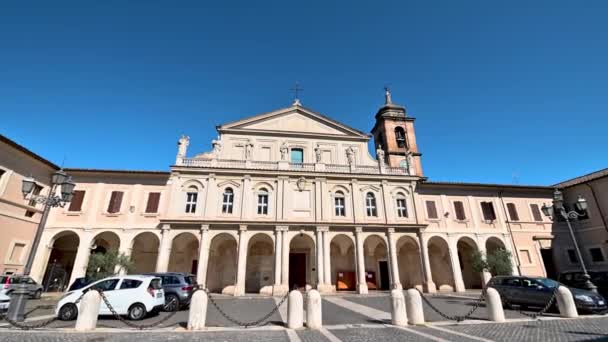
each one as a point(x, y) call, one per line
point(581, 206)
point(64, 182)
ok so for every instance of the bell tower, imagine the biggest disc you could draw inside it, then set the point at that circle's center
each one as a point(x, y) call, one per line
point(394, 132)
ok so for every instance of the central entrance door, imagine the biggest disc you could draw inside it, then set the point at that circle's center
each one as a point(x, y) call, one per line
point(297, 270)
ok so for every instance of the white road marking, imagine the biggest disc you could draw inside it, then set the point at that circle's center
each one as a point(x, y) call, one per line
point(461, 334)
point(434, 338)
point(293, 337)
point(329, 335)
point(360, 309)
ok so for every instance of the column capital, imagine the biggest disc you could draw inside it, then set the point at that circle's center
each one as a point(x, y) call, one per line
point(358, 230)
point(282, 228)
point(390, 231)
point(322, 228)
point(242, 228)
point(204, 228)
point(165, 227)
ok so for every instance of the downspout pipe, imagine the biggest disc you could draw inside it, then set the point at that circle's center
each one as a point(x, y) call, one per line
point(502, 202)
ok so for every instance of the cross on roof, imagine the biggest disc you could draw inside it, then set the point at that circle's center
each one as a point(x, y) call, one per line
point(296, 89)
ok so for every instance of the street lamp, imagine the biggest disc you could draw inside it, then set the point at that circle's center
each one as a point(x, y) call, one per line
point(581, 207)
point(58, 179)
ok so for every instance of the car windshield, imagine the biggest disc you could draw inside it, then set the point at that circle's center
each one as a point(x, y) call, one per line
point(550, 283)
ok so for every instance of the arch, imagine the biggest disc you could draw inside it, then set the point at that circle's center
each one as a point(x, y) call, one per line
point(466, 247)
point(192, 183)
point(339, 187)
point(105, 241)
point(408, 260)
point(184, 253)
point(441, 267)
point(259, 185)
point(302, 259)
point(144, 252)
point(260, 263)
point(221, 271)
point(400, 136)
point(376, 262)
point(493, 244)
point(343, 263)
point(61, 261)
point(395, 191)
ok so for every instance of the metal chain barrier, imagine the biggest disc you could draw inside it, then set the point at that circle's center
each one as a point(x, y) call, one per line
point(131, 324)
point(457, 318)
point(534, 315)
point(38, 325)
point(242, 323)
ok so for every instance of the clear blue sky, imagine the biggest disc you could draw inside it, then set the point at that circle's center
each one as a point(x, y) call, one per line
point(502, 91)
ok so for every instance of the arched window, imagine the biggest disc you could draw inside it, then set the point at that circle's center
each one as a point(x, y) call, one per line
point(191, 199)
point(401, 205)
point(297, 155)
point(370, 204)
point(400, 136)
point(339, 204)
point(263, 202)
point(228, 201)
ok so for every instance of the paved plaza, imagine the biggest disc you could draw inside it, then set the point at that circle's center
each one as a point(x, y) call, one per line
point(346, 317)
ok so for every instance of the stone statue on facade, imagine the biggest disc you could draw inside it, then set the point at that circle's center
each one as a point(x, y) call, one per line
point(248, 150)
point(182, 146)
point(217, 147)
point(318, 153)
point(409, 157)
point(380, 154)
point(350, 155)
point(284, 150)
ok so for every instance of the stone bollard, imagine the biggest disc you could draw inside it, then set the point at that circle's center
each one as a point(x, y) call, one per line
point(313, 310)
point(495, 310)
point(295, 310)
point(89, 310)
point(565, 303)
point(398, 314)
point(413, 306)
point(198, 311)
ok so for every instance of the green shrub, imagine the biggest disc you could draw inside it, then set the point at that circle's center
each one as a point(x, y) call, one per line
point(102, 265)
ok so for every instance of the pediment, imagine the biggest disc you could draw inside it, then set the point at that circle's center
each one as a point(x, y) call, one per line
point(296, 119)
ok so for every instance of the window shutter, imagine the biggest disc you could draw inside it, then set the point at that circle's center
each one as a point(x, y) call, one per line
point(76, 203)
point(115, 202)
point(431, 209)
point(512, 212)
point(153, 200)
point(459, 208)
point(536, 212)
point(488, 211)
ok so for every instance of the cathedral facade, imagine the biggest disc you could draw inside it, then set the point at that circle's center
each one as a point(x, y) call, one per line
point(293, 199)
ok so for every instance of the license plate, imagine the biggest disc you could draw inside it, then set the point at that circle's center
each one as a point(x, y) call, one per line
point(159, 295)
point(600, 302)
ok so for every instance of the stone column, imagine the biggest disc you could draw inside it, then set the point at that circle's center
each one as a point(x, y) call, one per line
point(327, 257)
point(320, 263)
point(82, 257)
point(239, 289)
point(162, 262)
point(278, 255)
point(485, 275)
point(429, 285)
point(203, 256)
point(392, 250)
point(456, 272)
point(285, 261)
point(361, 278)
point(126, 247)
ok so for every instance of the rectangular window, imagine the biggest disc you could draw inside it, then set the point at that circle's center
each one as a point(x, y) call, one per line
point(228, 201)
point(536, 212)
point(35, 191)
point(16, 253)
point(512, 212)
point(596, 254)
point(401, 207)
point(525, 256)
point(153, 201)
point(339, 204)
point(263, 204)
point(115, 202)
point(572, 256)
point(459, 209)
point(431, 210)
point(297, 155)
point(191, 198)
point(487, 209)
point(76, 203)
point(370, 205)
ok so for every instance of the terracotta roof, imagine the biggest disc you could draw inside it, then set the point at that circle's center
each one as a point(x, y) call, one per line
point(28, 152)
point(490, 185)
point(145, 172)
point(582, 179)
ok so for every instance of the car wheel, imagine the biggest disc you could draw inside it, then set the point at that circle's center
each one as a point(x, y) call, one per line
point(37, 294)
point(68, 312)
point(171, 303)
point(137, 312)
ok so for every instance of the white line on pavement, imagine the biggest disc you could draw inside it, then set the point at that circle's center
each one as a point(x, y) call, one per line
point(293, 336)
point(358, 308)
point(434, 338)
point(460, 334)
point(282, 309)
point(329, 335)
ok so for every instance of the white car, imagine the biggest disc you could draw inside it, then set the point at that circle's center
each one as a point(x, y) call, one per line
point(4, 303)
point(130, 295)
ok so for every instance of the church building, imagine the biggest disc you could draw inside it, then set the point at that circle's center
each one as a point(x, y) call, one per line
point(293, 199)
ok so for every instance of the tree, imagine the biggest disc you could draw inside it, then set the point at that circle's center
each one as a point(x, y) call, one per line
point(102, 265)
point(497, 262)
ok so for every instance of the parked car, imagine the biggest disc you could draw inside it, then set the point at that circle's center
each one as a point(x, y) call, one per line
point(537, 291)
point(131, 295)
point(79, 283)
point(178, 289)
point(9, 282)
point(575, 279)
point(4, 303)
